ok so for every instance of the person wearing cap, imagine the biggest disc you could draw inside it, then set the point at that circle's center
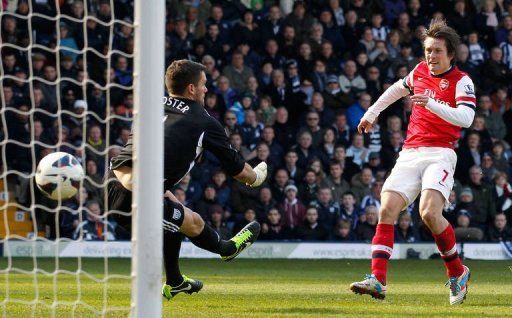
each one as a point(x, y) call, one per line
point(292, 75)
point(334, 97)
point(292, 209)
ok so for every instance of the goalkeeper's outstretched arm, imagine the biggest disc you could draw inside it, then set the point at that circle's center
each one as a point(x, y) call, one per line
point(253, 177)
point(391, 95)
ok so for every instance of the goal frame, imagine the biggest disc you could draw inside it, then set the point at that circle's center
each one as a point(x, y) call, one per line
point(146, 269)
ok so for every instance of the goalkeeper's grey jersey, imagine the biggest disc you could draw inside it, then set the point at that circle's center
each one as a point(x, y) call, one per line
point(188, 131)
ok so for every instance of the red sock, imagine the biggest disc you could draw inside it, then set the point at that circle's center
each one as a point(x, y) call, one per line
point(447, 247)
point(382, 247)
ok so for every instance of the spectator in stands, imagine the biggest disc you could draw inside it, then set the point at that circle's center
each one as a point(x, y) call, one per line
point(94, 227)
point(494, 71)
point(217, 222)
point(266, 111)
point(500, 231)
point(488, 169)
point(192, 188)
point(290, 166)
point(328, 209)
point(405, 232)
point(361, 184)
point(335, 181)
point(251, 129)
point(366, 230)
point(291, 208)
point(374, 197)
point(308, 188)
point(343, 232)
point(231, 125)
point(276, 150)
point(226, 95)
point(284, 128)
point(273, 229)
point(93, 183)
point(265, 204)
point(96, 147)
point(334, 97)
point(502, 194)
point(464, 232)
point(304, 148)
point(349, 211)
point(272, 56)
point(470, 150)
point(493, 121)
point(483, 198)
point(208, 199)
point(238, 73)
point(465, 65)
point(343, 131)
point(357, 150)
point(300, 20)
point(312, 229)
point(281, 180)
point(272, 25)
point(350, 81)
point(248, 217)
point(327, 146)
point(356, 111)
point(313, 127)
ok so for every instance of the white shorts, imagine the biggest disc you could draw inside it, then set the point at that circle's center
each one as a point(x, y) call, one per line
point(421, 168)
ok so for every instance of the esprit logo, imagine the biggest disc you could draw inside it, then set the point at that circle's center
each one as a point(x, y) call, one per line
point(443, 84)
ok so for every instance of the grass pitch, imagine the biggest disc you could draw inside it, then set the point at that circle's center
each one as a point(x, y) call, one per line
point(263, 288)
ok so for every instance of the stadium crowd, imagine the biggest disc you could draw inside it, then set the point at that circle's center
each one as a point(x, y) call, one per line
point(289, 88)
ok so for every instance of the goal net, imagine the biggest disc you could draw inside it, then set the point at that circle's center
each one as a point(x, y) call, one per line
point(70, 80)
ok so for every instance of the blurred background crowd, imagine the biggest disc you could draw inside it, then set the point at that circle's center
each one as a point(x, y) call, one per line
point(289, 80)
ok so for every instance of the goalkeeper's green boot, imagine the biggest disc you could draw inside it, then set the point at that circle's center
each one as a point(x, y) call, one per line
point(188, 286)
point(244, 239)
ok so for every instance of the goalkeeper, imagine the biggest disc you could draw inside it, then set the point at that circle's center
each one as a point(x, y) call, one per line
point(188, 131)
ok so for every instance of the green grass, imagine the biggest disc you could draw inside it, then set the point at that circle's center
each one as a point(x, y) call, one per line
point(269, 288)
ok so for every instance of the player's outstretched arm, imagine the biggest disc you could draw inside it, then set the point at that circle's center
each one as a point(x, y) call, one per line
point(461, 116)
point(391, 95)
point(253, 177)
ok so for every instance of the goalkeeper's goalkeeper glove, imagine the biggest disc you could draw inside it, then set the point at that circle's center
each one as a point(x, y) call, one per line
point(261, 174)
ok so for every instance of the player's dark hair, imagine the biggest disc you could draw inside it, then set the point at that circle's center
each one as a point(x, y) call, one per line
point(182, 73)
point(438, 29)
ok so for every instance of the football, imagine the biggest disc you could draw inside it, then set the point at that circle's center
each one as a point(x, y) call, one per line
point(58, 175)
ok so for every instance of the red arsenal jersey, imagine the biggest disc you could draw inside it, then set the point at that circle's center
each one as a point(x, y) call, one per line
point(453, 88)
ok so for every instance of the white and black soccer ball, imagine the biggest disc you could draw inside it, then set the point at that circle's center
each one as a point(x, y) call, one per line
point(58, 175)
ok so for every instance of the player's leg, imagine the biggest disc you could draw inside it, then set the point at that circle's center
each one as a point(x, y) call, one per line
point(401, 187)
point(437, 184)
point(382, 246)
point(176, 282)
point(204, 236)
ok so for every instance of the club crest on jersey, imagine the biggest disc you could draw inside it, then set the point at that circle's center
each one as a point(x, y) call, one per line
point(443, 84)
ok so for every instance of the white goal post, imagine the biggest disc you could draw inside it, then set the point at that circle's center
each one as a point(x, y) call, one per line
point(148, 159)
point(36, 290)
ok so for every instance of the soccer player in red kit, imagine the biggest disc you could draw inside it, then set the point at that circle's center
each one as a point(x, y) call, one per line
point(443, 101)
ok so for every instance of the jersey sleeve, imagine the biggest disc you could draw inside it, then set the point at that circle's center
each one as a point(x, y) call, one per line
point(465, 93)
point(216, 141)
